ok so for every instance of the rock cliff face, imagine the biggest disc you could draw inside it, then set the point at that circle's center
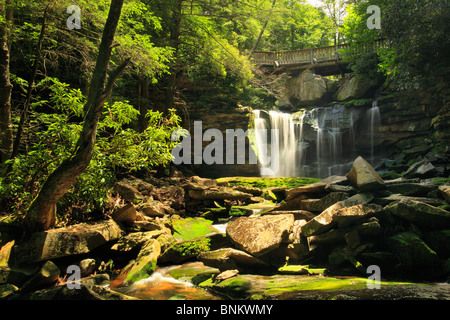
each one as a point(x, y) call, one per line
point(309, 89)
point(224, 119)
point(410, 127)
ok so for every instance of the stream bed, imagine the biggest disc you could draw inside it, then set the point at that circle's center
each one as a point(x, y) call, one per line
point(195, 281)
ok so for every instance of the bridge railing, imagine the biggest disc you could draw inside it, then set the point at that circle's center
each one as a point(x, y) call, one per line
point(307, 56)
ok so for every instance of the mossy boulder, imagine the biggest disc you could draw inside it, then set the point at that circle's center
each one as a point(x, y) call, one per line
point(61, 242)
point(183, 250)
point(422, 214)
point(145, 263)
point(412, 250)
point(316, 287)
point(191, 228)
point(263, 183)
point(235, 288)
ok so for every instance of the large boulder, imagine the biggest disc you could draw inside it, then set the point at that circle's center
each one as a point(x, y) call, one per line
point(411, 189)
point(356, 88)
point(309, 89)
point(318, 205)
point(46, 276)
point(412, 250)
point(439, 241)
point(145, 263)
point(420, 213)
point(218, 193)
point(230, 259)
point(5, 253)
point(364, 176)
point(134, 240)
point(191, 228)
point(259, 235)
point(326, 221)
point(421, 169)
point(311, 188)
point(445, 192)
point(61, 242)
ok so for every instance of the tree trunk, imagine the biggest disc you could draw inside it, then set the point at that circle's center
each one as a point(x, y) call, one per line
point(261, 33)
point(42, 212)
point(175, 32)
point(37, 59)
point(6, 134)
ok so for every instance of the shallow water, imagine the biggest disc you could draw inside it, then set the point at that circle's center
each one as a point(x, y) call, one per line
point(161, 285)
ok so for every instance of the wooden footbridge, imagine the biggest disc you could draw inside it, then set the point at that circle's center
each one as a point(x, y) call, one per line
point(325, 61)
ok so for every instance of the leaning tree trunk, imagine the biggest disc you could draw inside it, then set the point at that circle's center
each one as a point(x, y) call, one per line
point(42, 212)
point(6, 134)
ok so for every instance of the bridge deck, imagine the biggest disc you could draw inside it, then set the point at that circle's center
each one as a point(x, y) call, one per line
point(303, 58)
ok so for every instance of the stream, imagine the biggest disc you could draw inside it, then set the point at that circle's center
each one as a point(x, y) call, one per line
point(169, 283)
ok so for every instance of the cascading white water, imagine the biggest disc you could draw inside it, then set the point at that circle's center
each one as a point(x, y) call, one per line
point(374, 116)
point(318, 142)
point(282, 146)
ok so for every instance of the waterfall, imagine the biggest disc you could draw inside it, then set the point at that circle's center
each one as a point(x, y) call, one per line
point(317, 142)
point(282, 145)
point(374, 118)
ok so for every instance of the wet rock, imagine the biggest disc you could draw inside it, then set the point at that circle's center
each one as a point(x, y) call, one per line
point(145, 263)
point(259, 235)
point(61, 242)
point(230, 259)
point(226, 275)
point(420, 213)
point(87, 291)
point(364, 176)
